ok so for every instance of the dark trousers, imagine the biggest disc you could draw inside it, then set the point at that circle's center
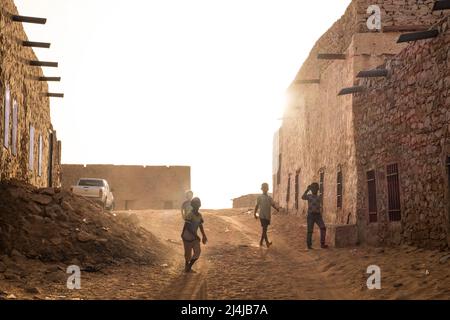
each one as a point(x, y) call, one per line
point(315, 218)
point(265, 225)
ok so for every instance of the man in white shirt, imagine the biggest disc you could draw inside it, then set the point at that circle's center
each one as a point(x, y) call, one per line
point(264, 204)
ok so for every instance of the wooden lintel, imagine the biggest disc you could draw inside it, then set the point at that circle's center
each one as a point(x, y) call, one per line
point(43, 64)
point(49, 79)
point(441, 5)
point(350, 90)
point(36, 44)
point(54, 95)
point(407, 37)
point(29, 19)
point(308, 81)
point(331, 56)
point(373, 73)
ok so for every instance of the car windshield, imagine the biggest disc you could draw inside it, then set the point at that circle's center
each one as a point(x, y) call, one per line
point(91, 183)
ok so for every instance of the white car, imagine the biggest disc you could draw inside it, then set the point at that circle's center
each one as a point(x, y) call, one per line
point(95, 189)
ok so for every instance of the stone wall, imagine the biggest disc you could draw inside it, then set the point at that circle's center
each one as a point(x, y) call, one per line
point(33, 109)
point(394, 13)
point(317, 135)
point(405, 119)
point(136, 187)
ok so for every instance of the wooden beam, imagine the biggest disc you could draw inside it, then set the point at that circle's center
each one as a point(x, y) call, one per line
point(29, 19)
point(49, 79)
point(43, 64)
point(308, 81)
point(407, 37)
point(331, 56)
point(54, 95)
point(373, 73)
point(36, 44)
point(441, 5)
point(407, 28)
point(350, 90)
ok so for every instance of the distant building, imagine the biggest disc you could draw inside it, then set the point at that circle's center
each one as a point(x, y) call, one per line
point(247, 201)
point(136, 187)
point(382, 154)
point(29, 149)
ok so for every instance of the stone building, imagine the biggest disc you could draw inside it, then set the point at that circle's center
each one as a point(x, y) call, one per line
point(29, 148)
point(402, 136)
point(371, 147)
point(136, 187)
point(246, 201)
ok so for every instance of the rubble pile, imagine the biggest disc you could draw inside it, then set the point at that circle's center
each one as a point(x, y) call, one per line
point(53, 225)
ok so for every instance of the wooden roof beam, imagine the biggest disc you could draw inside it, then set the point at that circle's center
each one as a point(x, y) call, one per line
point(407, 37)
point(307, 81)
point(373, 73)
point(36, 63)
point(56, 79)
point(36, 44)
point(25, 19)
point(350, 90)
point(331, 56)
point(441, 5)
point(54, 95)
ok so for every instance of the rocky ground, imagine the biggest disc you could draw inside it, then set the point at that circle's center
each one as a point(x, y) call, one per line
point(43, 231)
point(142, 258)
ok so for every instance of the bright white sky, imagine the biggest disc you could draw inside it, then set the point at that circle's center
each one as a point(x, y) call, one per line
point(175, 82)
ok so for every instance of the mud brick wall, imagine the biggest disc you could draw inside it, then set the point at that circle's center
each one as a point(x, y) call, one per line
point(33, 107)
point(136, 187)
point(405, 119)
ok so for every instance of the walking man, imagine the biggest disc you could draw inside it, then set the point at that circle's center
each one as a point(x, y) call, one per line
point(191, 241)
point(314, 215)
point(264, 204)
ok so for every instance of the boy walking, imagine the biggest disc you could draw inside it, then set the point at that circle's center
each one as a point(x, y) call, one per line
point(264, 204)
point(314, 215)
point(191, 241)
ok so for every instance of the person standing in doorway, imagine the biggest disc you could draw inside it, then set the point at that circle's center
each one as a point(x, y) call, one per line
point(264, 204)
point(186, 207)
point(191, 241)
point(314, 214)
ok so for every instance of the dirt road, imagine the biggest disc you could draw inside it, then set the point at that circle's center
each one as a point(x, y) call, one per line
point(233, 266)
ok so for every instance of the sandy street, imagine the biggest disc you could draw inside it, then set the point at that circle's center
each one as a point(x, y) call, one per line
point(233, 266)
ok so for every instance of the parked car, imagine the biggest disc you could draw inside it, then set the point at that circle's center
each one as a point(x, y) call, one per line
point(95, 189)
